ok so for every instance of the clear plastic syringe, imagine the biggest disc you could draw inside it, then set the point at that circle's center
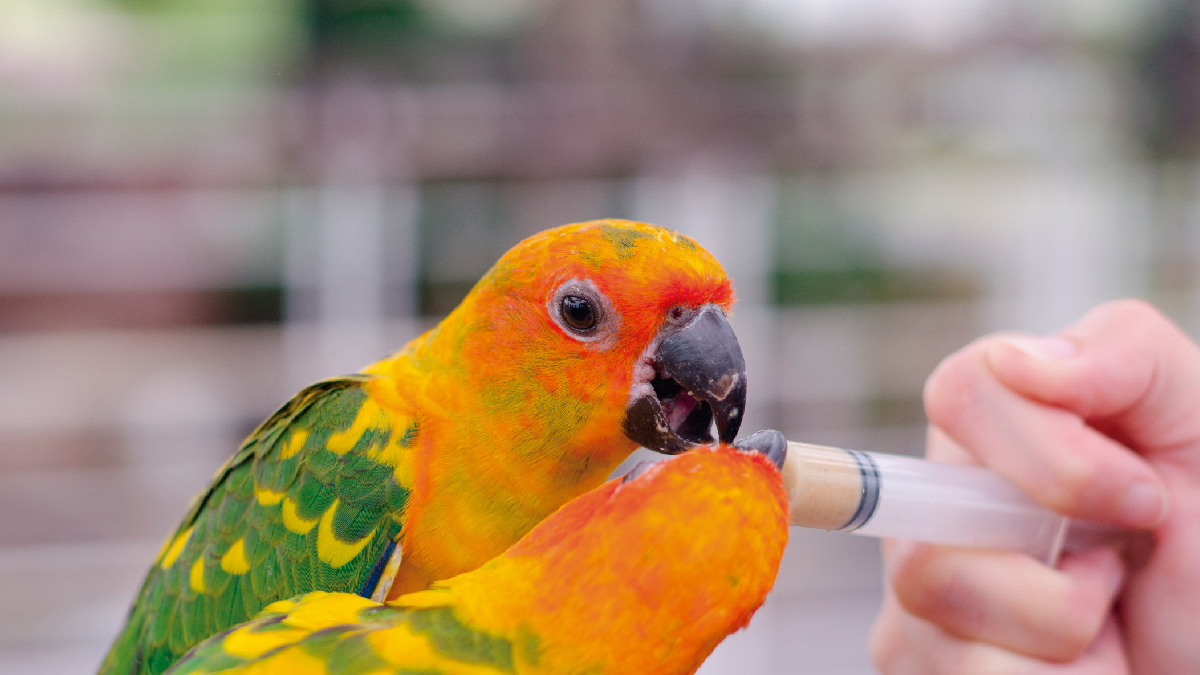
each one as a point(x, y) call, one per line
point(908, 498)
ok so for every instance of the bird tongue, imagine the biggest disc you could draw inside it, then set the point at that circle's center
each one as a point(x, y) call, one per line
point(678, 409)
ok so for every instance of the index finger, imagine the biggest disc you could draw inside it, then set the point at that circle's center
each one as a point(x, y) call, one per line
point(1123, 366)
point(1048, 451)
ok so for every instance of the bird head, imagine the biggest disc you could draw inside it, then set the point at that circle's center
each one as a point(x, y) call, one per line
point(606, 334)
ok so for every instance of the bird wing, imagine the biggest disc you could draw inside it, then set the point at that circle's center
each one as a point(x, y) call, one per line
point(311, 500)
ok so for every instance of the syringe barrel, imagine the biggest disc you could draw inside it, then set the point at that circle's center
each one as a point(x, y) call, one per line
point(910, 498)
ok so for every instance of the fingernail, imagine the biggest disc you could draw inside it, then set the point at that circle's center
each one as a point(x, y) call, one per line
point(1145, 504)
point(1052, 348)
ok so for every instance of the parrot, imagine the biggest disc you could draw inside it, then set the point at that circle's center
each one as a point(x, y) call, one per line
point(644, 574)
point(578, 345)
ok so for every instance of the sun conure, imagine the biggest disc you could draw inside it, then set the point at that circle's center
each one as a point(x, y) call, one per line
point(580, 344)
point(641, 575)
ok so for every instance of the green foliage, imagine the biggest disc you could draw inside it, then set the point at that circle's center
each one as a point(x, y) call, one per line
point(184, 44)
point(871, 284)
point(369, 20)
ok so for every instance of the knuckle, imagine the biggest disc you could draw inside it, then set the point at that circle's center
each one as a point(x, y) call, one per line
point(1078, 477)
point(1138, 321)
point(928, 590)
point(909, 565)
point(950, 388)
point(981, 659)
point(1133, 310)
point(1065, 639)
point(1071, 481)
point(1072, 642)
point(1078, 621)
point(885, 644)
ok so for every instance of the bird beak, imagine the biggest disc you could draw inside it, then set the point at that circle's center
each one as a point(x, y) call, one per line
point(699, 377)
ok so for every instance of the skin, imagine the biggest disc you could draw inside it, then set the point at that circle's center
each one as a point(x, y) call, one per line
point(1098, 422)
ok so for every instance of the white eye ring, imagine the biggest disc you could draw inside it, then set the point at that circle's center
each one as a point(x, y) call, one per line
point(602, 333)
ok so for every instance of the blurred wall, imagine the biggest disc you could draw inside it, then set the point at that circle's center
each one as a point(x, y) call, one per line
point(206, 204)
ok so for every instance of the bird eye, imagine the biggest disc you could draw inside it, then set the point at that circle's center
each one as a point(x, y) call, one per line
point(578, 312)
point(584, 313)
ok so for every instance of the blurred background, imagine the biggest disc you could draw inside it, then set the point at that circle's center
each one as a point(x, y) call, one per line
point(206, 204)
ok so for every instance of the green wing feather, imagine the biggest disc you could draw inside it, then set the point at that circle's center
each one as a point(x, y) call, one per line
point(339, 639)
point(304, 504)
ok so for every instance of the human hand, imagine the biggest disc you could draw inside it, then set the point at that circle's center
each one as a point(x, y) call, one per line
point(1100, 422)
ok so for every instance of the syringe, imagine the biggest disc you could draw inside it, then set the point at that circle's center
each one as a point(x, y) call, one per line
point(909, 498)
